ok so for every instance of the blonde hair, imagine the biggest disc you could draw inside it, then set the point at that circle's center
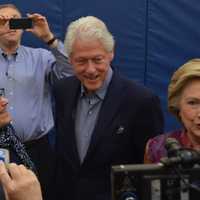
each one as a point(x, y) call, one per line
point(88, 28)
point(181, 77)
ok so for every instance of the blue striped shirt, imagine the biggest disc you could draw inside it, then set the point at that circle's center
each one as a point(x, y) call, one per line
point(87, 114)
point(27, 76)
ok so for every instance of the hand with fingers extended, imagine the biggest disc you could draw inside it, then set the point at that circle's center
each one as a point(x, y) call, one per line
point(40, 27)
point(4, 24)
point(19, 183)
point(3, 20)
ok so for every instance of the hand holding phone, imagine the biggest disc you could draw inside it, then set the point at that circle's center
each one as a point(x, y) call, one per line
point(20, 23)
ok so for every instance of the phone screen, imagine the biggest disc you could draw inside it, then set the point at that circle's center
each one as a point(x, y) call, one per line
point(20, 23)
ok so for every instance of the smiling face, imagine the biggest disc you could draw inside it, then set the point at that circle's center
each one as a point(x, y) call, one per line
point(189, 107)
point(91, 62)
point(9, 37)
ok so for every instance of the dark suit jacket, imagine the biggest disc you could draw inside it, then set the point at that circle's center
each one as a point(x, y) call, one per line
point(129, 115)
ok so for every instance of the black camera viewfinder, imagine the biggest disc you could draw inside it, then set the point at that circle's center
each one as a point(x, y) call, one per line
point(20, 23)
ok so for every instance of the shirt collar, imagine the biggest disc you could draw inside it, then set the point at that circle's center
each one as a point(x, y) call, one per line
point(101, 92)
point(5, 55)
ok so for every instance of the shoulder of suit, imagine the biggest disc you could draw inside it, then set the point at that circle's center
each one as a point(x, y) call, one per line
point(66, 82)
point(134, 87)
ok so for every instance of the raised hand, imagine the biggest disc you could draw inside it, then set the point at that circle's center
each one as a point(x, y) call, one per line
point(19, 183)
point(40, 27)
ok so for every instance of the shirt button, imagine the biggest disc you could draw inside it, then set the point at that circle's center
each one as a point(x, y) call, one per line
point(90, 112)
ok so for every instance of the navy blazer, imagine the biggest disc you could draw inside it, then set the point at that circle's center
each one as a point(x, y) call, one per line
point(129, 115)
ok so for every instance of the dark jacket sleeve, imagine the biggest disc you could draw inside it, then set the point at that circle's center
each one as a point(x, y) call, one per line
point(150, 122)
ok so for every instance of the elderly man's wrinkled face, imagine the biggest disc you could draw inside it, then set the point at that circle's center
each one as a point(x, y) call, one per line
point(190, 109)
point(91, 63)
point(9, 36)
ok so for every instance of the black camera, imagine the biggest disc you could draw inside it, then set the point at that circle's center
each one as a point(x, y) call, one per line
point(20, 23)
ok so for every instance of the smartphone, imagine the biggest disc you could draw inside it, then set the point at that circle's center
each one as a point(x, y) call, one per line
point(20, 23)
point(4, 155)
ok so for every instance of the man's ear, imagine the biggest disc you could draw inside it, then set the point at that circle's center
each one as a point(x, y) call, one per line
point(111, 56)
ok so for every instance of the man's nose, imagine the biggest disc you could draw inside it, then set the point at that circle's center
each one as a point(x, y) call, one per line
point(198, 111)
point(91, 66)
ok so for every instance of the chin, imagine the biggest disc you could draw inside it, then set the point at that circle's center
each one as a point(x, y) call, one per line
point(92, 90)
point(92, 87)
point(13, 42)
point(197, 134)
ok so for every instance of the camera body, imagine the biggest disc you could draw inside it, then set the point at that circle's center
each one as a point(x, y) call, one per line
point(20, 23)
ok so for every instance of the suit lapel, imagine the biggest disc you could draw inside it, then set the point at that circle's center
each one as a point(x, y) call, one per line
point(70, 110)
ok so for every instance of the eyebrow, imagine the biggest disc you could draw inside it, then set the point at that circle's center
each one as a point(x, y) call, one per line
point(192, 98)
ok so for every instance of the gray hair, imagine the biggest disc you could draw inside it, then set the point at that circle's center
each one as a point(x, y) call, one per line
point(88, 28)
